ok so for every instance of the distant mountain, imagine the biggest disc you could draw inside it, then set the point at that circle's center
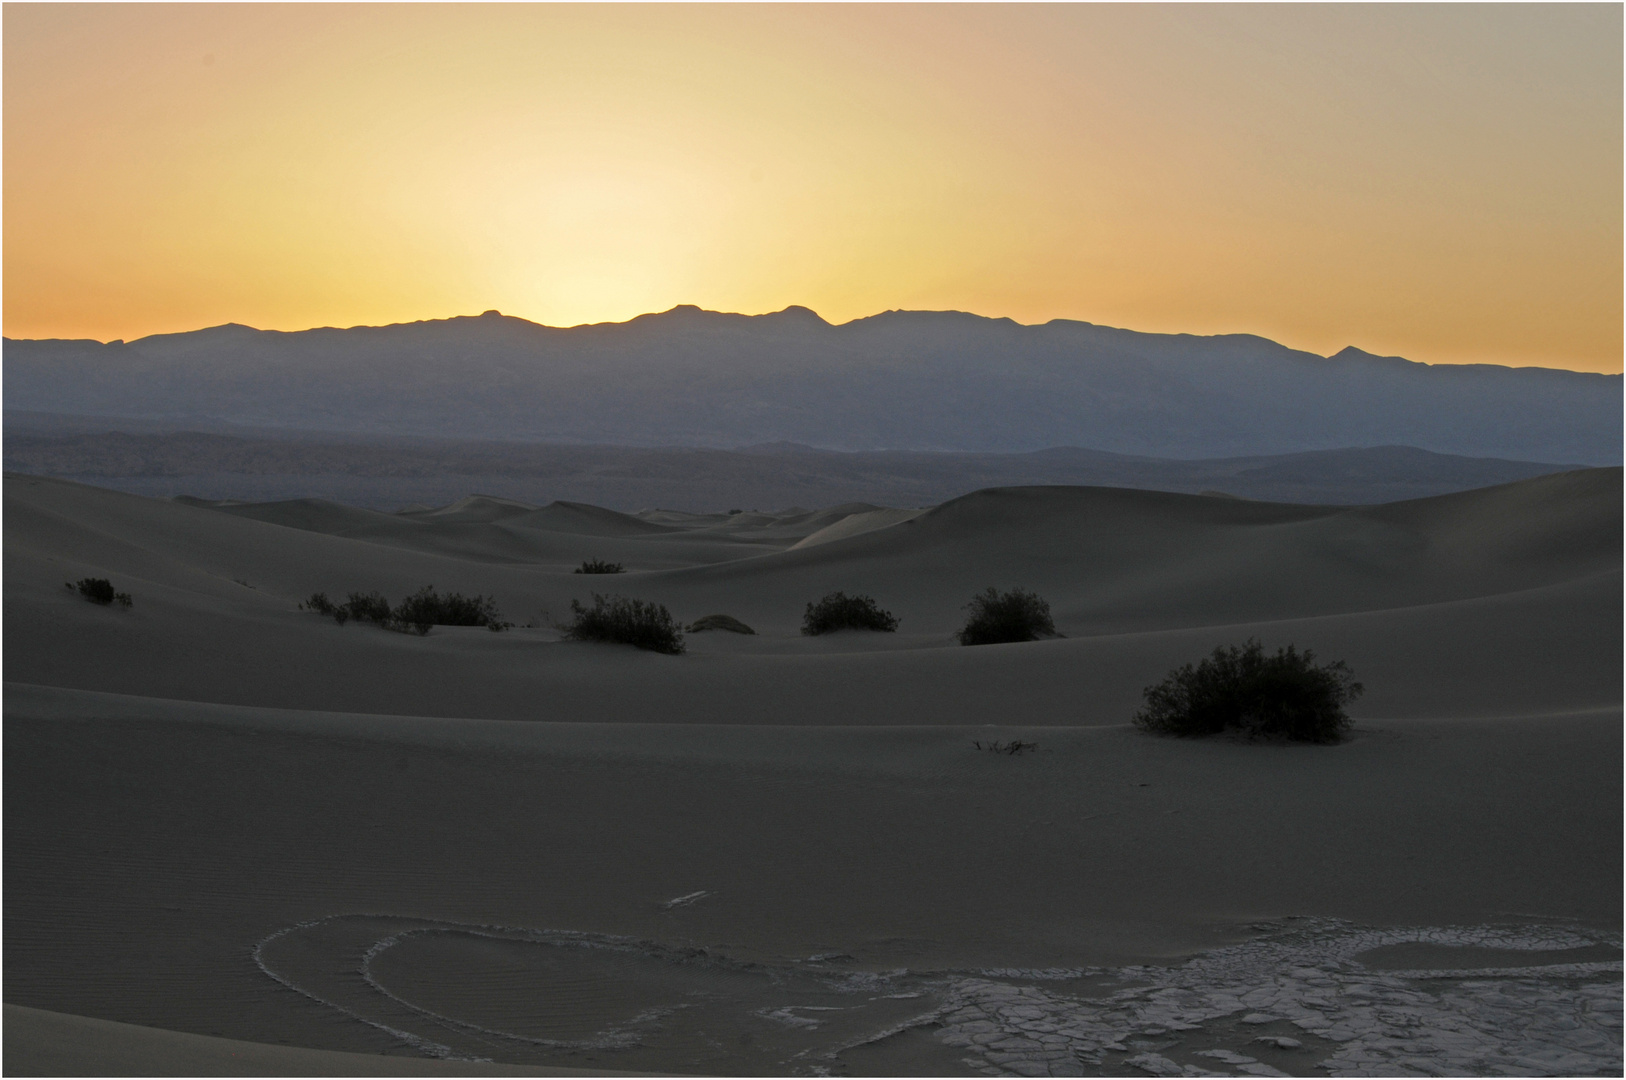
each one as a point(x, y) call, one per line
point(387, 473)
point(905, 380)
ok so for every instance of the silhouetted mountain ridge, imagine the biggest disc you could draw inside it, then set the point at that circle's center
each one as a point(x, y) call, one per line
point(907, 380)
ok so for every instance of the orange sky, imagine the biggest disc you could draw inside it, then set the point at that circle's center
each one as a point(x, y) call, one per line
point(1441, 182)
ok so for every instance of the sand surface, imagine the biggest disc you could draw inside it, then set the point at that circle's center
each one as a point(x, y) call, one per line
point(43, 1043)
point(226, 817)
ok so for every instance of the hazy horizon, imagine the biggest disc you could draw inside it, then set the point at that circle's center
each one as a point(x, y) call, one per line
point(1436, 182)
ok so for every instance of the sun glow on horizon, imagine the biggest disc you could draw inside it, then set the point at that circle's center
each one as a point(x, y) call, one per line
point(1441, 183)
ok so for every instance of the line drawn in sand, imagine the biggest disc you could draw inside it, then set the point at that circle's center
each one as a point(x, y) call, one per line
point(1297, 1000)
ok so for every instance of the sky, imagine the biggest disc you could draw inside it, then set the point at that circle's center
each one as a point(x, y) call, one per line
point(1441, 182)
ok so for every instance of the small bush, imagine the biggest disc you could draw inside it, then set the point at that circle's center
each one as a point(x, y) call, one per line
point(599, 566)
point(719, 622)
point(100, 591)
point(838, 611)
point(453, 609)
point(997, 618)
point(626, 622)
point(1285, 696)
point(368, 607)
point(414, 615)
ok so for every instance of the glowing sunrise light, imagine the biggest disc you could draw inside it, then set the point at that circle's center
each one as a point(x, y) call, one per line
point(1440, 182)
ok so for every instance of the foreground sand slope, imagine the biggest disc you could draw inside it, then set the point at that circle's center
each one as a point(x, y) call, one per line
point(39, 1042)
point(1499, 602)
point(150, 846)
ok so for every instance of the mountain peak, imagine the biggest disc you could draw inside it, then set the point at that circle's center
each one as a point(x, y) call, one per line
point(910, 318)
point(1350, 352)
point(675, 313)
point(209, 335)
point(798, 313)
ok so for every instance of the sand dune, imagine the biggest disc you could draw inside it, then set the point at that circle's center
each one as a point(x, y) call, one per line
point(180, 458)
point(221, 808)
point(856, 524)
point(481, 508)
point(584, 520)
point(43, 1043)
point(1417, 596)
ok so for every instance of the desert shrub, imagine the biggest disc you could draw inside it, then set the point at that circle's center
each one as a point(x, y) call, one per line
point(626, 622)
point(414, 615)
point(339, 613)
point(838, 611)
point(453, 609)
point(997, 618)
point(368, 607)
point(365, 607)
point(100, 591)
point(599, 566)
point(1241, 689)
point(719, 622)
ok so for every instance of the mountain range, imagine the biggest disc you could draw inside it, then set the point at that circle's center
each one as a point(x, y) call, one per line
point(901, 380)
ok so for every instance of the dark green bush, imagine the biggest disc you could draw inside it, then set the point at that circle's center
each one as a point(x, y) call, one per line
point(414, 615)
point(626, 622)
point(453, 609)
point(838, 611)
point(599, 566)
point(997, 618)
point(368, 607)
point(100, 591)
point(1285, 696)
